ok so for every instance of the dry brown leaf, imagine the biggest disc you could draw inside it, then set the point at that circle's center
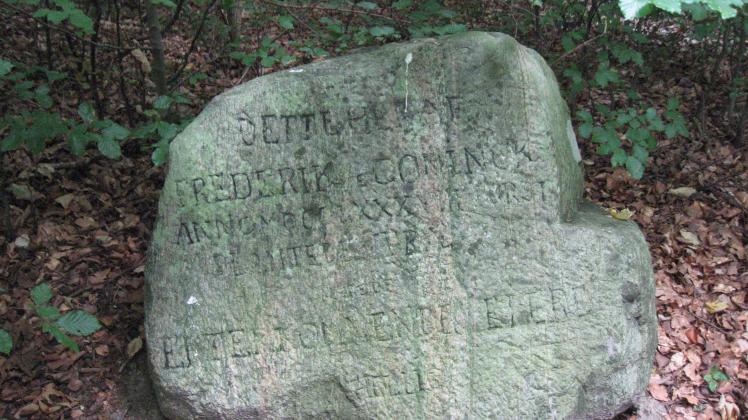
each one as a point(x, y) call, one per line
point(728, 410)
point(658, 392)
point(139, 55)
point(102, 350)
point(64, 200)
point(684, 192)
point(134, 346)
point(689, 238)
point(27, 409)
point(85, 222)
point(693, 335)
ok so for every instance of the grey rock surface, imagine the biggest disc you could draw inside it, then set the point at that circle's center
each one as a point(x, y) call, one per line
point(394, 234)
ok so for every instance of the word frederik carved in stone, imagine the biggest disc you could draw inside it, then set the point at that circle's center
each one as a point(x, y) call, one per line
point(382, 170)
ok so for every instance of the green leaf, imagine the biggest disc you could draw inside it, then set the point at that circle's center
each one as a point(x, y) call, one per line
point(5, 67)
point(86, 112)
point(381, 31)
point(79, 139)
point(115, 131)
point(166, 131)
point(48, 312)
point(567, 42)
point(109, 148)
point(726, 8)
point(605, 75)
point(56, 16)
point(41, 294)
point(42, 97)
point(635, 167)
point(633, 9)
point(79, 19)
point(574, 74)
point(25, 85)
point(79, 323)
point(585, 130)
point(11, 142)
point(402, 4)
point(287, 59)
point(640, 153)
point(61, 337)
point(285, 22)
point(619, 158)
point(671, 6)
point(367, 5)
point(712, 385)
point(6, 342)
point(196, 77)
point(718, 375)
point(54, 76)
point(160, 153)
point(162, 102)
point(452, 28)
point(168, 3)
point(268, 61)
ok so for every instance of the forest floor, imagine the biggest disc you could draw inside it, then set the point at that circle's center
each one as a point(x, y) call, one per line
point(83, 226)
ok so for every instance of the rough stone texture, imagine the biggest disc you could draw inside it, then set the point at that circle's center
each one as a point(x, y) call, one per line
point(366, 238)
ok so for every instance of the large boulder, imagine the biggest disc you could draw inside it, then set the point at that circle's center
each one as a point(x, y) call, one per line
point(396, 233)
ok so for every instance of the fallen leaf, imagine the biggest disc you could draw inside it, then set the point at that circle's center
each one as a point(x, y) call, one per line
point(22, 192)
point(139, 55)
point(715, 306)
point(693, 335)
point(658, 392)
point(684, 192)
point(134, 346)
point(27, 410)
point(727, 410)
point(22, 241)
point(689, 238)
point(624, 214)
point(85, 222)
point(45, 169)
point(99, 277)
point(64, 200)
point(75, 385)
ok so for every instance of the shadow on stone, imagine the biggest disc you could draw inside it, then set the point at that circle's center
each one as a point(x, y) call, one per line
point(136, 392)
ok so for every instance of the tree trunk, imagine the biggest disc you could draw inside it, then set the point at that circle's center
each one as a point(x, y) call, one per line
point(234, 17)
point(158, 66)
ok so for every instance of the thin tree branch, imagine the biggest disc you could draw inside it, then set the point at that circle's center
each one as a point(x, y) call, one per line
point(174, 17)
point(582, 45)
point(193, 44)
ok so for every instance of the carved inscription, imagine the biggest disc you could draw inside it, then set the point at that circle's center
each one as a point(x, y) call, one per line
point(383, 383)
point(270, 129)
point(386, 325)
point(382, 170)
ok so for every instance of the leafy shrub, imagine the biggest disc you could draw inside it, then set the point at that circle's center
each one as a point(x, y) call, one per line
point(78, 323)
